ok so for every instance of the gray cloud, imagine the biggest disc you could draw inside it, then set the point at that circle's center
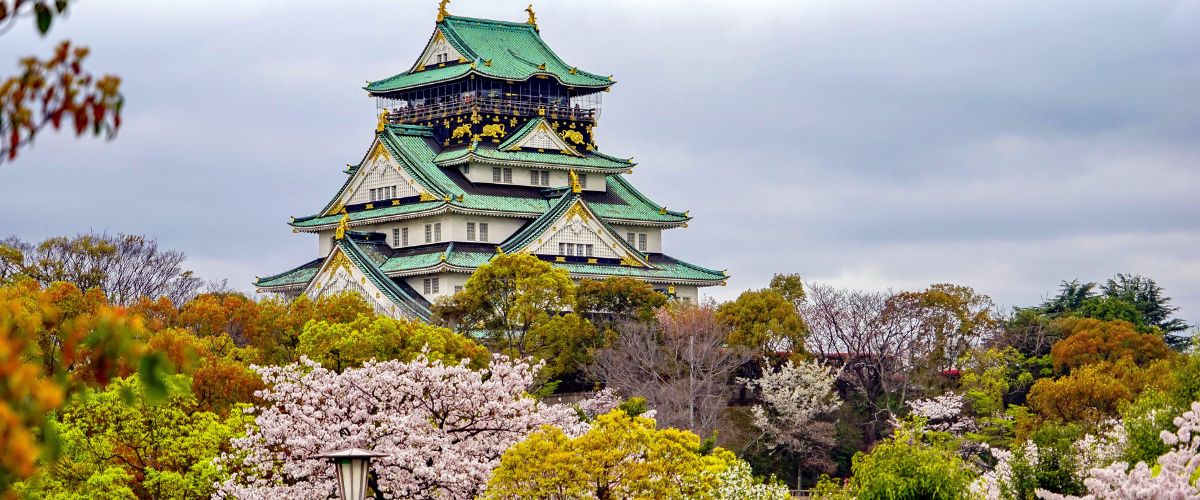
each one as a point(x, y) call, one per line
point(1004, 145)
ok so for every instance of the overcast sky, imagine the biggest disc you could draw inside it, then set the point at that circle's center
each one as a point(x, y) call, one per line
point(1006, 145)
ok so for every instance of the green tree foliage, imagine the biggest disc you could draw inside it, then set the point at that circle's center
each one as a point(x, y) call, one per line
point(55, 344)
point(522, 306)
point(904, 467)
point(994, 380)
point(1133, 298)
point(339, 346)
point(121, 444)
point(790, 286)
point(618, 299)
point(765, 321)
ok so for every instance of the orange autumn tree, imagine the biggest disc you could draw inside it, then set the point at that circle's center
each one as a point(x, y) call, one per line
point(53, 343)
point(1088, 340)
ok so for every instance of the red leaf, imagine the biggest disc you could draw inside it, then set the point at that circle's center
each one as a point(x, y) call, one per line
point(81, 121)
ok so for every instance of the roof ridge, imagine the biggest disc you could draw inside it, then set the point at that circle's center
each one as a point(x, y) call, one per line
point(381, 280)
point(292, 270)
point(693, 266)
point(522, 237)
point(498, 22)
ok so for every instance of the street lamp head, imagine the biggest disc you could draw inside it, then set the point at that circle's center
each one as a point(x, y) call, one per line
point(352, 465)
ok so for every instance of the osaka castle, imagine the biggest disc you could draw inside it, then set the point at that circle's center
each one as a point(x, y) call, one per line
point(485, 145)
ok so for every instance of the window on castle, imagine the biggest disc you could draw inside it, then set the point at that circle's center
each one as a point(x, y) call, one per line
point(373, 194)
point(631, 238)
point(430, 285)
point(428, 233)
point(508, 176)
point(642, 241)
point(582, 180)
point(470, 231)
point(502, 175)
point(466, 169)
point(588, 248)
point(483, 231)
point(495, 174)
point(539, 177)
point(396, 237)
point(437, 231)
point(457, 288)
point(404, 237)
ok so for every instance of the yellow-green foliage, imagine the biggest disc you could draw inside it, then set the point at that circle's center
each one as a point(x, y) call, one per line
point(620, 457)
point(338, 346)
point(118, 444)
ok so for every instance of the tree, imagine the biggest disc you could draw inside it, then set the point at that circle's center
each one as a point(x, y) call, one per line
point(53, 344)
point(794, 397)
point(619, 457)
point(162, 449)
point(1174, 475)
point(522, 306)
point(55, 90)
point(791, 287)
point(443, 427)
point(1093, 392)
point(904, 467)
point(681, 365)
point(124, 267)
point(1133, 298)
point(765, 321)
point(857, 330)
point(338, 346)
point(1089, 341)
point(947, 320)
point(618, 299)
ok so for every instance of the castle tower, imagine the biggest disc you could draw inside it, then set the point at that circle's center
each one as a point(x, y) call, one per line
point(485, 145)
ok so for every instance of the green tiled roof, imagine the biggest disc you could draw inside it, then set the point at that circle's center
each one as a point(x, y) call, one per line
point(515, 50)
point(408, 262)
point(416, 154)
point(321, 220)
point(520, 133)
point(293, 277)
point(665, 268)
point(485, 152)
point(403, 296)
point(531, 231)
point(635, 207)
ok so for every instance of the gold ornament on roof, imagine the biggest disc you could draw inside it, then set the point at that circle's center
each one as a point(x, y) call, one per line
point(461, 131)
point(575, 187)
point(532, 17)
point(343, 225)
point(573, 136)
point(442, 10)
point(383, 121)
point(493, 130)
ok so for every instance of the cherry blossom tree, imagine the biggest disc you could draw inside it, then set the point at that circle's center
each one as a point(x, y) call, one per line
point(443, 427)
point(1173, 477)
point(794, 396)
point(943, 413)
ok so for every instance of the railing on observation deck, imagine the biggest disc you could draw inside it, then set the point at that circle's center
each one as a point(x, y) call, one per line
point(413, 113)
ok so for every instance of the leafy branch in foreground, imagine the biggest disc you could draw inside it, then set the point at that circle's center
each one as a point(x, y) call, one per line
point(53, 91)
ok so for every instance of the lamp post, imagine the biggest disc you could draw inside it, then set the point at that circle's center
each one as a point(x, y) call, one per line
point(352, 465)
